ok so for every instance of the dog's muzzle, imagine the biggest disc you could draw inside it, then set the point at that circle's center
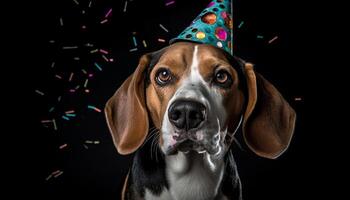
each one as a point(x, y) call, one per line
point(188, 117)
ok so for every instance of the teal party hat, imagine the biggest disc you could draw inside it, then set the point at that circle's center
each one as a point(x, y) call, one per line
point(212, 26)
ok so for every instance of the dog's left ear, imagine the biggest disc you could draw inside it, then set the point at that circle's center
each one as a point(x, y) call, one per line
point(126, 112)
point(269, 120)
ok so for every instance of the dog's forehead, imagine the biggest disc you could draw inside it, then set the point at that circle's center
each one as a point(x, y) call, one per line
point(182, 53)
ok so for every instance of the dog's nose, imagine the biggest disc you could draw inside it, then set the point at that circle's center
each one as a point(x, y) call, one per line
point(186, 114)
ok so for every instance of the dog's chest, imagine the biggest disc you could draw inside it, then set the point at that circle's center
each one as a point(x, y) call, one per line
point(190, 177)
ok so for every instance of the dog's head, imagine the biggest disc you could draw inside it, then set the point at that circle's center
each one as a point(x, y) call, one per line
point(197, 96)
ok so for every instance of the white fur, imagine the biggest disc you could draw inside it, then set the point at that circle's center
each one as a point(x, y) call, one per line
point(194, 175)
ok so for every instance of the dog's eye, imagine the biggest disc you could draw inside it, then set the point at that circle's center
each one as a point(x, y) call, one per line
point(163, 76)
point(222, 78)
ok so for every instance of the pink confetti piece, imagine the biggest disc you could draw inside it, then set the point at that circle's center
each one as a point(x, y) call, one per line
point(273, 39)
point(69, 111)
point(298, 99)
point(103, 51)
point(161, 40)
point(108, 13)
point(169, 3)
point(63, 146)
point(59, 174)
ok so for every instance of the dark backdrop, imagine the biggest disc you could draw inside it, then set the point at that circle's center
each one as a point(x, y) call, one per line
point(96, 171)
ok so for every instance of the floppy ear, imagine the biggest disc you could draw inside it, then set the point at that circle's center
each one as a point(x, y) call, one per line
point(126, 112)
point(269, 120)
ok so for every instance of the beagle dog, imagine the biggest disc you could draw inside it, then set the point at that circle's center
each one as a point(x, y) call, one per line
point(180, 110)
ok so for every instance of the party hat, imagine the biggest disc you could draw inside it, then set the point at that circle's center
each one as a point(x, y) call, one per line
point(212, 26)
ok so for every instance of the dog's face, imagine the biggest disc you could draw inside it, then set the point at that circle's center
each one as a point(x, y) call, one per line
point(196, 96)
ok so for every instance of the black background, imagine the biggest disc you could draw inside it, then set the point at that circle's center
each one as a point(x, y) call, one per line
point(98, 172)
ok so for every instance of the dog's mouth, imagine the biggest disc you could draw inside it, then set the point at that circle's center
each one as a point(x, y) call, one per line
point(188, 145)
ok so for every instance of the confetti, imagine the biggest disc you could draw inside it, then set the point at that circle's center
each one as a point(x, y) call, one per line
point(92, 142)
point(94, 108)
point(71, 115)
point(161, 40)
point(169, 3)
point(58, 76)
point(241, 24)
point(66, 118)
point(103, 51)
point(94, 51)
point(49, 177)
point(63, 146)
point(84, 71)
point(52, 64)
point(108, 13)
point(52, 109)
point(69, 111)
point(54, 174)
point(98, 66)
point(90, 3)
point(273, 39)
point(161, 26)
point(58, 174)
point(46, 121)
point(52, 41)
point(71, 77)
point(125, 5)
point(89, 45)
point(70, 47)
point(61, 21)
point(104, 21)
point(134, 49)
point(39, 92)
point(85, 146)
point(144, 43)
point(54, 124)
point(298, 99)
point(85, 83)
point(134, 40)
point(260, 37)
point(76, 58)
point(76, 2)
point(111, 60)
point(105, 58)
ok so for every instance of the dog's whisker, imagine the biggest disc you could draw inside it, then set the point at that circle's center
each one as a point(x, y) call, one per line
point(237, 143)
point(150, 135)
point(154, 146)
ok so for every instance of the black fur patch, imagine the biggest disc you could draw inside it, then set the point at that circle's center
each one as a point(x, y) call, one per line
point(148, 170)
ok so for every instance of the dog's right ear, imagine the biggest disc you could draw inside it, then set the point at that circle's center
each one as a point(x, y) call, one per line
point(126, 112)
point(269, 120)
